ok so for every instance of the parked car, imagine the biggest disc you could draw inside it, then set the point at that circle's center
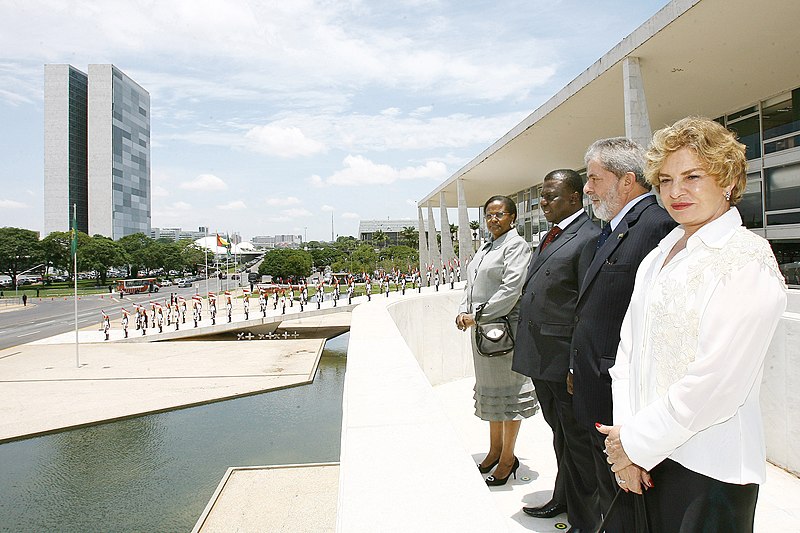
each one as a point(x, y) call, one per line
point(184, 283)
point(166, 283)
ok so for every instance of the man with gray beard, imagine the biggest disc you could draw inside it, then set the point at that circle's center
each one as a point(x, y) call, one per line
point(635, 223)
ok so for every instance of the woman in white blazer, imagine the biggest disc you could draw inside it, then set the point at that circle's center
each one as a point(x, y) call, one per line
point(687, 422)
point(494, 282)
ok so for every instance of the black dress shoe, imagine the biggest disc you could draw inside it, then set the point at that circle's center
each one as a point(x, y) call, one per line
point(548, 510)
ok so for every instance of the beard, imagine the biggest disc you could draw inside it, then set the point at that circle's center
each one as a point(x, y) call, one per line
point(608, 208)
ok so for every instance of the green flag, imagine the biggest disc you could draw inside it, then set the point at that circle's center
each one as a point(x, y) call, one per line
point(74, 233)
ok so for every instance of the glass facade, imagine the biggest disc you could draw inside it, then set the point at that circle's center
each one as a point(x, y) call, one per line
point(130, 134)
point(77, 148)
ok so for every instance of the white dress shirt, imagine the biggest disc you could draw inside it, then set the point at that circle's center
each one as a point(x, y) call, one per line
point(691, 357)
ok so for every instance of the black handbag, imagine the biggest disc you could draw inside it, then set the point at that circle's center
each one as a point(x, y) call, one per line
point(493, 338)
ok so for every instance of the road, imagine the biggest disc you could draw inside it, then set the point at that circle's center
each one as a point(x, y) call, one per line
point(47, 317)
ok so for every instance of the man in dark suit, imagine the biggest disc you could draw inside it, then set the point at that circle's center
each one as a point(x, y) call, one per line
point(620, 196)
point(544, 334)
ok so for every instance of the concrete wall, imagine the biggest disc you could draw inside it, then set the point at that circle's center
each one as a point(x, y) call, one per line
point(780, 390)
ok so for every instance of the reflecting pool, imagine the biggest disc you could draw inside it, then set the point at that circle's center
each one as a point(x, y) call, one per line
point(157, 472)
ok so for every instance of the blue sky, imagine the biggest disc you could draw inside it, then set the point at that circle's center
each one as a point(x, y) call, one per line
point(273, 117)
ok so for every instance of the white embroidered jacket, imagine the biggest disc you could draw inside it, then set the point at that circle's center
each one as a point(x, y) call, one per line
point(688, 369)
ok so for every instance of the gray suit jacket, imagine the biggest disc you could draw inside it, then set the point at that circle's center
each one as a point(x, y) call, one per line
point(495, 277)
point(547, 304)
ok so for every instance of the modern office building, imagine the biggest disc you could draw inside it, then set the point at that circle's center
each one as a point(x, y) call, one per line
point(730, 60)
point(97, 151)
point(392, 229)
point(263, 242)
point(177, 234)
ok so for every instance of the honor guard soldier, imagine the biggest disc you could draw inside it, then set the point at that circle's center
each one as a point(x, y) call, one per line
point(182, 301)
point(106, 324)
point(246, 303)
point(262, 302)
point(291, 296)
point(387, 285)
point(368, 288)
point(176, 312)
point(125, 322)
point(196, 308)
point(403, 285)
point(320, 294)
point(160, 318)
point(228, 305)
point(275, 303)
point(428, 276)
point(212, 307)
point(452, 278)
point(283, 303)
point(137, 318)
point(436, 280)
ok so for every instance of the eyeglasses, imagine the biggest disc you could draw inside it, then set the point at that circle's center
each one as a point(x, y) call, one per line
point(495, 216)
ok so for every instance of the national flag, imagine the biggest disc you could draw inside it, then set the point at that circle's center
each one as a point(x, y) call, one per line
point(222, 242)
point(74, 234)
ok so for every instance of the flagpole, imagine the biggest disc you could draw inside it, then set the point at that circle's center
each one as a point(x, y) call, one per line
point(75, 278)
point(205, 255)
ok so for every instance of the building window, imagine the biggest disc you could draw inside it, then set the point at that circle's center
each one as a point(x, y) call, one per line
point(749, 131)
point(781, 118)
point(751, 205)
point(782, 188)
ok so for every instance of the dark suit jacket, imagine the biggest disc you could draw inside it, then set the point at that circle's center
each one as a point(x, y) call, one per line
point(547, 304)
point(602, 302)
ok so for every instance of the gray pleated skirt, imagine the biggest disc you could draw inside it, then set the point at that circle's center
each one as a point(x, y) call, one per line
point(500, 393)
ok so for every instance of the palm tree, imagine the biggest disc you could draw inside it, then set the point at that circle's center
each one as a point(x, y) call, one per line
point(474, 225)
point(409, 236)
point(379, 238)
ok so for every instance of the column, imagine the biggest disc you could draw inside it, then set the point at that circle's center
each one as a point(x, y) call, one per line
point(465, 251)
point(637, 120)
point(424, 260)
point(433, 247)
point(447, 238)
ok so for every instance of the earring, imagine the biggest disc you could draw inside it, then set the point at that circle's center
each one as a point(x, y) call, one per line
point(727, 196)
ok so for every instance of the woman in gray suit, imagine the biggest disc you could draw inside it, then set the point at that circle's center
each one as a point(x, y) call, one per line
point(494, 281)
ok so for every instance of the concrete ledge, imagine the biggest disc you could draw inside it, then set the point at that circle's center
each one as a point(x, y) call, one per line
point(403, 466)
point(294, 498)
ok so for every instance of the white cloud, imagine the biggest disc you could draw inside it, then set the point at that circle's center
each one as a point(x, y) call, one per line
point(421, 111)
point(180, 206)
point(391, 112)
point(234, 205)
point(159, 192)
point(296, 212)
point(12, 204)
point(282, 141)
point(359, 170)
point(205, 182)
point(289, 200)
point(351, 215)
point(326, 208)
point(316, 181)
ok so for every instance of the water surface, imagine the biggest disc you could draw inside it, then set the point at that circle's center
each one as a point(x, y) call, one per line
point(157, 472)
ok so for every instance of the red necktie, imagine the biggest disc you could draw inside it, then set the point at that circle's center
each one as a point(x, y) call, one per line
point(551, 235)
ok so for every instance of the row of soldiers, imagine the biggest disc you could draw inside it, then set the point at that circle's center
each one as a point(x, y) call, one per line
point(174, 310)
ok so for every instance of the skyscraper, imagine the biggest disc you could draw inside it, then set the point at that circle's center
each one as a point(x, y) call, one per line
point(97, 151)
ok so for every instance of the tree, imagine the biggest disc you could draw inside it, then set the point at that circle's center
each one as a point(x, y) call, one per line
point(400, 257)
point(286, 263)
point(192, 256)
point(379, 238)
point(135, 247)
point(99, 254)
point(19, 250)
point(323, 254)
point(409, 236)
point(56, 250)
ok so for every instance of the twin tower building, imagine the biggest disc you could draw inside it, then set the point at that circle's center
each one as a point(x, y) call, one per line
point(96, 151)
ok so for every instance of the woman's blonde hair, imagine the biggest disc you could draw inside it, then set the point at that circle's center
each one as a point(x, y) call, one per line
point(722, 156)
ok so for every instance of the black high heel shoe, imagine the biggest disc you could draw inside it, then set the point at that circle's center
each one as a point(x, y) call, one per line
point(497, 481)
point(487, 469)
